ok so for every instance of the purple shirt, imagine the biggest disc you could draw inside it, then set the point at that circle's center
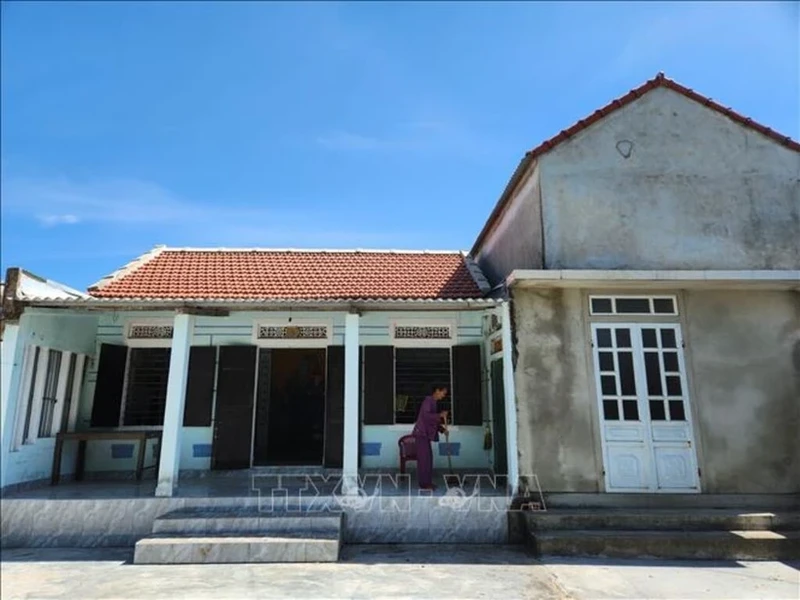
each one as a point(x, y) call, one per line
point(428, 421)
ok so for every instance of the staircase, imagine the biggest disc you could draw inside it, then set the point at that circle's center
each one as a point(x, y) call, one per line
point(721, 534)
point(241, 535)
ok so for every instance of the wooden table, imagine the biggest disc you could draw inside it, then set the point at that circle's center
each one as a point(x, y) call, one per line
point(86, 436)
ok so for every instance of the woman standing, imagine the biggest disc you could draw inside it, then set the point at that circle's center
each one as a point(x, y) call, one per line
point(426, 430)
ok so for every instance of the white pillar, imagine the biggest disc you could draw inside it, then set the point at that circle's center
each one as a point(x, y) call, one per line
point(351, 424)
point(169, 462)
point(510, 399)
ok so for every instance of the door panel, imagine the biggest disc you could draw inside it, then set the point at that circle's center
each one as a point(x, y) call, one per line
point(499, 419)
point(623, 430)
point(263, 389)
point(334, 408)
point(644, 414)
point(233, 421)
point(674, 467)
point(628, 467)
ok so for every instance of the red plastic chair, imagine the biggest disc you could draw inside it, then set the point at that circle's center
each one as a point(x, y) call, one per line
point(408, 450)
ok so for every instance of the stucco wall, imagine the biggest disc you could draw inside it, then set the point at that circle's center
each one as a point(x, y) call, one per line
point(515, 242)
point(745, 365)
point(697, 191)
point(555, 406)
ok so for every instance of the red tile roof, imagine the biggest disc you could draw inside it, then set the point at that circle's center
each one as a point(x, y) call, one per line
point(292, 274)
point(659, 80)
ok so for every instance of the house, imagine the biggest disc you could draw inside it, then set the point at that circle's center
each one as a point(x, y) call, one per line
point(651, 255)
point(625, 328)
point(244, 358)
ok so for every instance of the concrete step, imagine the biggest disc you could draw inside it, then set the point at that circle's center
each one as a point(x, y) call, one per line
point(200, 521)
point(662, 520)
point(166, 549)
point(673, 501)
point(714, 545)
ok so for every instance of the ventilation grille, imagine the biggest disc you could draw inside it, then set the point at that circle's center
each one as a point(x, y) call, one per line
point(150, 332)
point(422, 332)
point(290, 332)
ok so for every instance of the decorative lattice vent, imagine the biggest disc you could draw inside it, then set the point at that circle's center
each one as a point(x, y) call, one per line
point(422, 332)
point(150, 332)
point(292, 332)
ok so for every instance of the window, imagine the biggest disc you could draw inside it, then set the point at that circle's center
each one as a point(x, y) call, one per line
point(31, 395)
point(633, 305)
point(417, 370)
point(49, 397)
point(146, 389)
point(73, 361)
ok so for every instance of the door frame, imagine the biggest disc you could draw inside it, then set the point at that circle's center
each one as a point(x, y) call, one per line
point(643, 404)
point(291, 345)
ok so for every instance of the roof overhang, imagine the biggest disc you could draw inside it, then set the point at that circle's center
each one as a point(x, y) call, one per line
point(186, 304)
point(617, 279)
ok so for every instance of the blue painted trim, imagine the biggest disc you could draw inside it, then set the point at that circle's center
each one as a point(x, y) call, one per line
point(455, 448)
point(201, 450)
point(121, 450)
point(371, 449)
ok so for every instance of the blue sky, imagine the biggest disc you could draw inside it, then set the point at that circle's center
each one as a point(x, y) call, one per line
point(370, 125)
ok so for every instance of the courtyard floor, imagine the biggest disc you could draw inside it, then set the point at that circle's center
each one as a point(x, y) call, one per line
point(432, 571)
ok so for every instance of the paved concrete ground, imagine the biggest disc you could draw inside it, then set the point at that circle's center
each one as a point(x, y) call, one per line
point(439, 572)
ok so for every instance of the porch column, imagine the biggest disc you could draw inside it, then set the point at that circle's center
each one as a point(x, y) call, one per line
point(169, 462)
point(351, 424)
point(510, 399)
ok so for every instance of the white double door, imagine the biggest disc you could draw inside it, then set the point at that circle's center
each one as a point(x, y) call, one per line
point(645, 421)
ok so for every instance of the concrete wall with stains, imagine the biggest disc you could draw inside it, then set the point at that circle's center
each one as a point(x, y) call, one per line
point(666, 183)
point(516, 240)
point(745, 374)
point(556, 414)
point(743, 368)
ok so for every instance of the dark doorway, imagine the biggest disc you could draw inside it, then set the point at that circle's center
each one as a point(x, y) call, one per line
point(290, 420)
point(499, 419)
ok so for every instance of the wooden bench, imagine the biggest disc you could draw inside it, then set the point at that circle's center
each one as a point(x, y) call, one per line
point(87, 436)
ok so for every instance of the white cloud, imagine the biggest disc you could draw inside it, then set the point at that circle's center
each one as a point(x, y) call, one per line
point(161, 216)
point(53, 220)
point(419, 137)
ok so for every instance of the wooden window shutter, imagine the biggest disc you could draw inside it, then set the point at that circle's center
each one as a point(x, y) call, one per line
point(378, 385)
point(200, 386)
point(467, 385)
point(108, 388)
point(233, 422)
point(334, 408)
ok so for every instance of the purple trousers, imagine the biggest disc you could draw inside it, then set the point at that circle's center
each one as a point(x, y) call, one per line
point(424, 461)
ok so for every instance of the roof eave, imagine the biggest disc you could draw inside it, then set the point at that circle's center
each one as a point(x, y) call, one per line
point(652, 279)
point(235, 304)
point(502, 202)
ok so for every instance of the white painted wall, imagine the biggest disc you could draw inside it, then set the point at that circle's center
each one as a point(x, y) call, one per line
point(374, 330)
point(58, 330)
